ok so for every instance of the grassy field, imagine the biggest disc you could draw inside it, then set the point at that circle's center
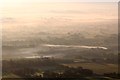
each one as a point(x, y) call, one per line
point(96, 67)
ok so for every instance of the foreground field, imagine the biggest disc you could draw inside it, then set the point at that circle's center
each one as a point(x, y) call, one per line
point(96, 67)
point(58, 68)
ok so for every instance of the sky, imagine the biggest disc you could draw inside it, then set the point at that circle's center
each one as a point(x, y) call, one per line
point(23, 9)
point(16, 14)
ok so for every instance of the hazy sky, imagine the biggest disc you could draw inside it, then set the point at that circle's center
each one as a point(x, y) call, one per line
point(35, 12)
